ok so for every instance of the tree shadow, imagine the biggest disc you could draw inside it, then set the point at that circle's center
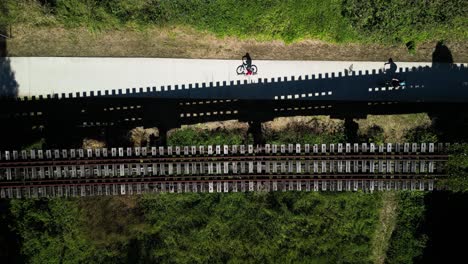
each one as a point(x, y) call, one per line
point(421, 134)
point(450, 126)
point(374, 134)
point(442, 56)
point(445, 227)
point(10, 241)
point(8, 84)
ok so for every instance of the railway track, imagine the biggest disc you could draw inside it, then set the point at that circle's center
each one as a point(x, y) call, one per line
point(336, 167)
point(211, 186)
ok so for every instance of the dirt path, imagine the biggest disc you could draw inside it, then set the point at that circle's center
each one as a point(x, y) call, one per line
point(188, 43)
point(387, 221)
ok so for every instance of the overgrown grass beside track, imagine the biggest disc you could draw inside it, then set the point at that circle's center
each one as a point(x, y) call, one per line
point(203, 228)
point(457, 168)
point(256, 227)
point(408, 241)
point(196, 136)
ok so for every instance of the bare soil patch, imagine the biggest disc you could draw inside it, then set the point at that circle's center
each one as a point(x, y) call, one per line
point(184, 42)
point(394, 126)
point(319, 124)
point(223, 125)
point(111, 219)
point(387, 222)
point(93, 143)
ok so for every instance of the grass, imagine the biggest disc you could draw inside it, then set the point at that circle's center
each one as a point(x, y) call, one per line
point(187, 42)
point(387, 223)
point(408, 240)
point(195, 136)
point(208, 228)
point(304, 130)
point(309, 130)
point(457, 168)
point(36, 145)
point(277, 227)
point(393, 128)
point(332, 20)
point(313, 29)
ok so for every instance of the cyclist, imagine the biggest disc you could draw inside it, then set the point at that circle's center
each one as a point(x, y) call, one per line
point(248, 62)
point(391, 74)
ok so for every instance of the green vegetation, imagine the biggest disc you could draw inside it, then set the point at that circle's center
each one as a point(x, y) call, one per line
point(262, 227)
point(315, 131)
point(311, 130)
point(421, 134)
point(196, 136)
point(39, 144)
point(49, 231)
point(332, 20)
point(408, 242)
point(201, 228)
point(394, 128)
point(408, 21)
point(387, 221)
point(279, 227)
point(457, 168)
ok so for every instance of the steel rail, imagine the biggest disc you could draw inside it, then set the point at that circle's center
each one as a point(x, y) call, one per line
point(208, 180)
point(212, 158)
point(261, 176)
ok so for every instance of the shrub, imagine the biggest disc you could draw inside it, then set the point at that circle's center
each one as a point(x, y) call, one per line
point(195, 136)
point(421, 134)
point(457, 169)
point(402, 20)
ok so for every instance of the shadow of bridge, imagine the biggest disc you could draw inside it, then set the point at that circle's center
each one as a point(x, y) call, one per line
point(435, 90)
point(440, 90)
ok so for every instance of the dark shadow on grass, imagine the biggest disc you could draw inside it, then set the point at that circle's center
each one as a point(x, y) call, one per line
point(445, 227)
point(374, 134)
point(450, 126)
point(10, 244)
point(442, 56)
point(421, 134)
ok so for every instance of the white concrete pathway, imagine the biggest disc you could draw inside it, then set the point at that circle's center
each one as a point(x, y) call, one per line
point(47, 75)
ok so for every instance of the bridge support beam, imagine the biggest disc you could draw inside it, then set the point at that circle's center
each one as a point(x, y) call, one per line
point(117, 136)
point(351, 129)
point(162, 141)
point(255, 128)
